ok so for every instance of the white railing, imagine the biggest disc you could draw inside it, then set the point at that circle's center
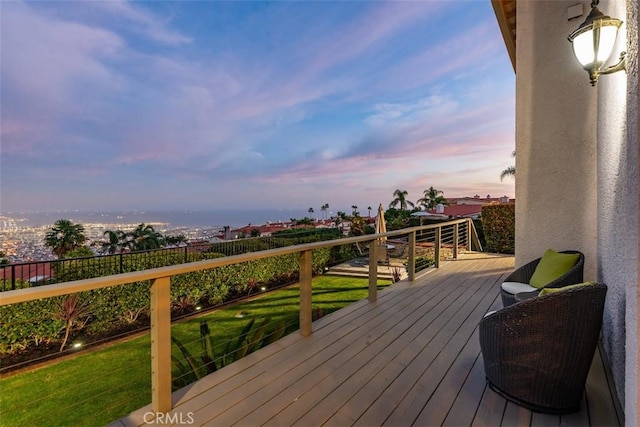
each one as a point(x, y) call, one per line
point(459, 233)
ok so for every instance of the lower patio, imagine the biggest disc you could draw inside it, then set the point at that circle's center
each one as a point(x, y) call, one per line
point(410, 358)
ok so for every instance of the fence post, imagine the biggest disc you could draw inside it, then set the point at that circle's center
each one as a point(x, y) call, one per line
point(161, 344)
point(13, 277)
point(469, 225)
point(411, 262)
point(305, 294)
point(455, 241)
point(373, 271)
point(121, 268)
point(437, 247)
point(186, 258)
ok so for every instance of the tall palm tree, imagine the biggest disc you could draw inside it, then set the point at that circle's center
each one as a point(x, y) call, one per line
point(369, 209)
point(354, 210)
point(310, 210)
point(400, 198)
point(324, 210)
point(432, 198)
point(64, 237)
point(510, 171)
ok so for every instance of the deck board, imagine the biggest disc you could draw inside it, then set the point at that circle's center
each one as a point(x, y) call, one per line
point(410, 358)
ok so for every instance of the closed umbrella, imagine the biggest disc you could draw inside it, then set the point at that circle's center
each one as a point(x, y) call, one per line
point(381, 225)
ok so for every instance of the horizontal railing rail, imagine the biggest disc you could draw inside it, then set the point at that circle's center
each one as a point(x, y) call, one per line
point(457, 233)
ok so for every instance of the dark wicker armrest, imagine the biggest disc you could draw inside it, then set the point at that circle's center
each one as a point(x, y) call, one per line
point(523, 274)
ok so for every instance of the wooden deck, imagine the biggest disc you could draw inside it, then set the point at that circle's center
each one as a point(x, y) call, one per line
point(411, 358)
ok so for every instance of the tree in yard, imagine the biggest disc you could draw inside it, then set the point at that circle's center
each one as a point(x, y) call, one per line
point(432, 197)
point(3, 258)
point(75, 314)
point(400, 198)
point(65, 236)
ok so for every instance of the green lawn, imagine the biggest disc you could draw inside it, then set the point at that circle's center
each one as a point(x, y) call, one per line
point(103, 385)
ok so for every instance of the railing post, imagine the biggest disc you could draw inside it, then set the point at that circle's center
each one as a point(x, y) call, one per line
point(455, 241)
point(121, 267)
point(161, 344)
point(305, 294)
point(469, 225)
point(411, 262)
point(373, 271)
point(13, 277)
point(437, 247)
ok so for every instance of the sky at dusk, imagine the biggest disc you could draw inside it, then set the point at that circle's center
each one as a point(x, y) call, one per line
point(116, 105)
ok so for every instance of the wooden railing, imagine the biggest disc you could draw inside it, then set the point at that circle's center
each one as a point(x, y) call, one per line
point(160, 278)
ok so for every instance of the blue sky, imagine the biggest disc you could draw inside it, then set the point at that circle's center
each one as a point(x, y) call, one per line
point(116, 105)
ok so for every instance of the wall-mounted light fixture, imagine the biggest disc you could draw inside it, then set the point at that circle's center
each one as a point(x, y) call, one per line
point(593, 42)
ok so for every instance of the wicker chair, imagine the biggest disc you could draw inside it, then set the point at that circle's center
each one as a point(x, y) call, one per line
point(537, 353)
point(524, 273)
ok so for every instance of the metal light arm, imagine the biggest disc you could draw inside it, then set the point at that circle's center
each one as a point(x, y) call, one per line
point(621, 65)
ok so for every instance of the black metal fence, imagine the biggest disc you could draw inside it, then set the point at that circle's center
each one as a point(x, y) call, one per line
point(24, 275)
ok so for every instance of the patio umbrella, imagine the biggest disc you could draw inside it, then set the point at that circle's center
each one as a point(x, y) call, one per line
point(381, 225)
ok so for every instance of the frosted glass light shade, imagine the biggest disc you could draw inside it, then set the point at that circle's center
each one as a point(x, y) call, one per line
point(594, 46)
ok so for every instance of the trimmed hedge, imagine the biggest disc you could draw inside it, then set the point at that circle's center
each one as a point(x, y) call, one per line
point(499, 225)
point(26, 326)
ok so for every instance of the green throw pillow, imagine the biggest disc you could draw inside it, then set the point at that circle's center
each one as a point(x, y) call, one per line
point(552, 265)
point(547, 291)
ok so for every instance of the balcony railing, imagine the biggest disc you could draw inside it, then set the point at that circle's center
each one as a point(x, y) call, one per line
point(448, 236)
point(38, 273)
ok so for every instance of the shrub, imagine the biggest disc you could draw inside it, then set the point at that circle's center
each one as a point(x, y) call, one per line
point(498, 223)
point(108, 311)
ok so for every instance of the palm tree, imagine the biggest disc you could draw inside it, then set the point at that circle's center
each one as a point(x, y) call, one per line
point(510, 171)
point(174, 240)
point(354, 210)
point(324, 210)
point(432, 197)
point(310, 210)
point(144, 237)
point(369, 209)
point(113, 243)
point(64, 237)
point(400, 197)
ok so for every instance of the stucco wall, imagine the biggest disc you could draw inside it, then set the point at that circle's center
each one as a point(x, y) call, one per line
point(618, 217)
point(577, 181)
point(618, 211)
point(556, 182)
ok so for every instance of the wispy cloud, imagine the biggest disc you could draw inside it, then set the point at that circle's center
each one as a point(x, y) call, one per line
point(274, 93)
point(143, 21)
